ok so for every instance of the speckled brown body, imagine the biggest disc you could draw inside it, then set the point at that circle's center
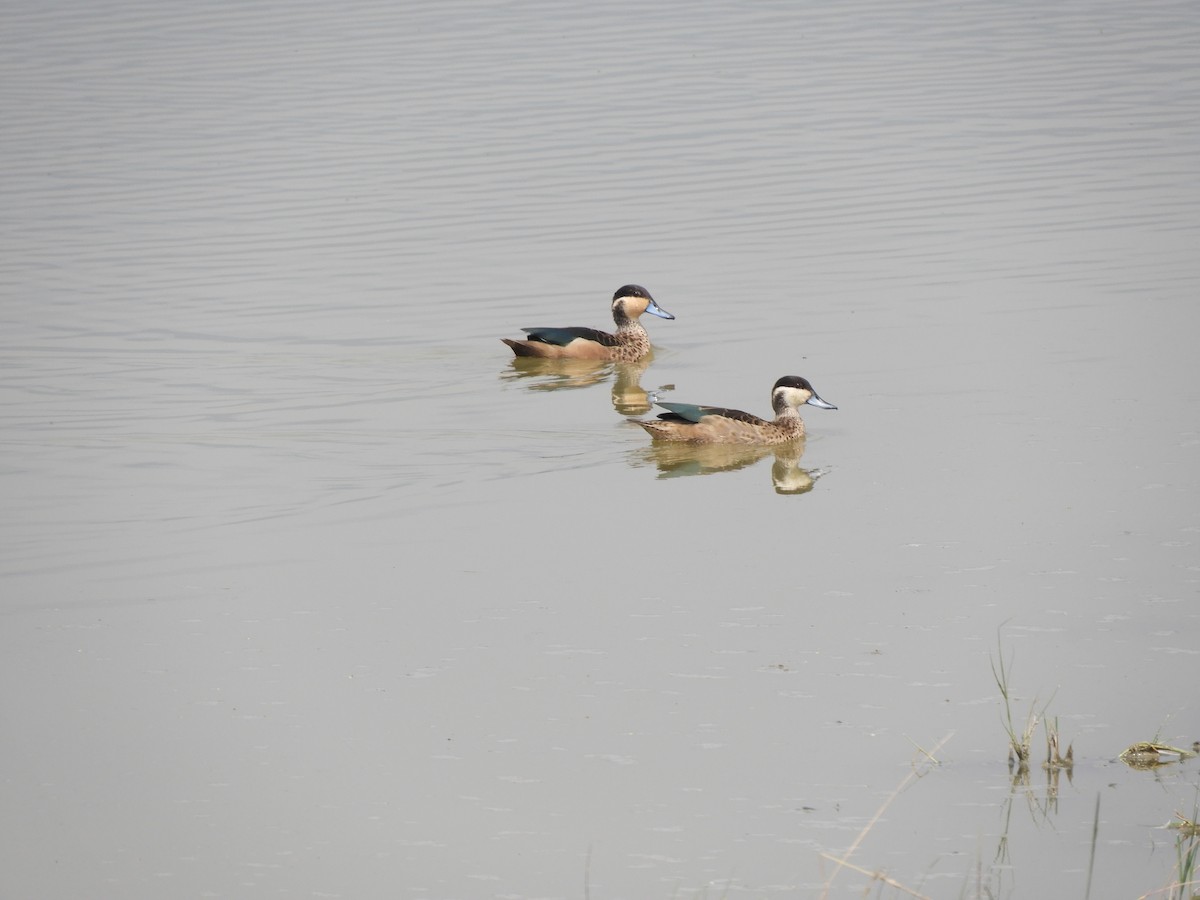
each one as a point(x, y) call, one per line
point(629, 343)
point(717, 425)
point(725, 430)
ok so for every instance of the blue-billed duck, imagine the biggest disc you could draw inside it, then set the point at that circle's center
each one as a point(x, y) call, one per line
point(629, 343)
point(717, 425)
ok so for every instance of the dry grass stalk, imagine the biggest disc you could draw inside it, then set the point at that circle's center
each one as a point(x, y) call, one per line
point(844, 860)
point(1186, 884)
point(1186, 826)
point(1148, 754)
point(1053, 759)
point(875, 876)
point(1018, 743)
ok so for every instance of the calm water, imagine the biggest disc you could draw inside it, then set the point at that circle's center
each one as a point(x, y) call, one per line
point(309, 589)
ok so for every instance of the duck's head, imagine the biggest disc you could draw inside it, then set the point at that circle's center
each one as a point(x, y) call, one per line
point(793, 391)
point(632, 300)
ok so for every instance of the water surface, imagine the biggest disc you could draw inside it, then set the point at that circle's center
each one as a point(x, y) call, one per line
point(309, 589)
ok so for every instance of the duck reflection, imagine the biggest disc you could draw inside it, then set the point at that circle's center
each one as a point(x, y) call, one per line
point(629, 398)
point(680, 459)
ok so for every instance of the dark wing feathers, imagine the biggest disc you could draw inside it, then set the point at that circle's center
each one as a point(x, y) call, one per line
point(564, 336)
point(690, 412)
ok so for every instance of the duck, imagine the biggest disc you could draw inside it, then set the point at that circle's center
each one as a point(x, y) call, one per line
point(629, 344)
point(717, 425)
